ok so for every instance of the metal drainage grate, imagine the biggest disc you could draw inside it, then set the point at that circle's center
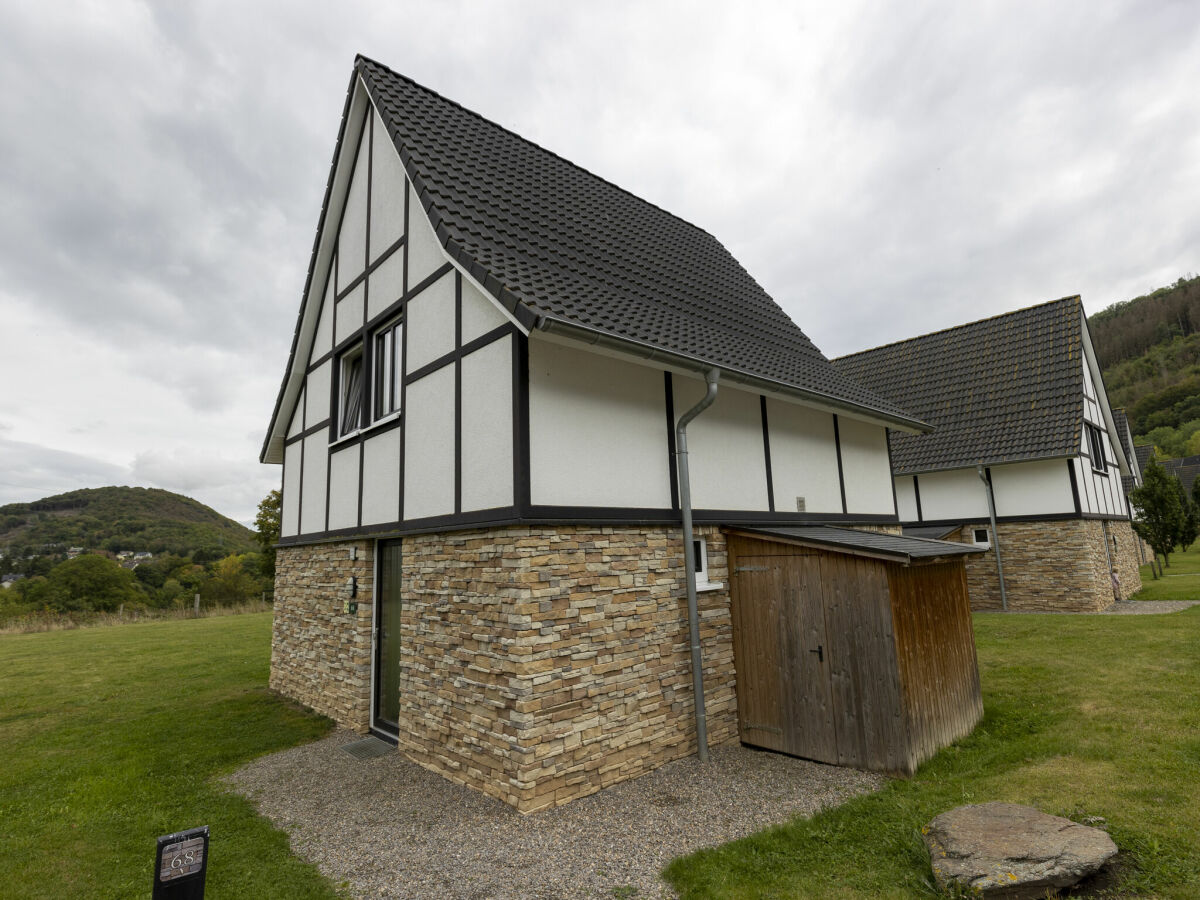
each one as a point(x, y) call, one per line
point(368, 748)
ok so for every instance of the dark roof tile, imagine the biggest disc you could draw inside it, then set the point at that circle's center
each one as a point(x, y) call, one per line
point(562, 243)
point(1003, 389)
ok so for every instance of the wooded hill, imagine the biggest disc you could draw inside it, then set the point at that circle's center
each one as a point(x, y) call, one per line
point(121, 518)
point(1149, 351)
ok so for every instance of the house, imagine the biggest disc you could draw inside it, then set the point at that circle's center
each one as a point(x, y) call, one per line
point(488, 475)
point(1185, 468)
point(1023, 424)
point(1137, 457)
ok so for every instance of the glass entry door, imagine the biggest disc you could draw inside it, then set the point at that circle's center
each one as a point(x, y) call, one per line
point(387, 639)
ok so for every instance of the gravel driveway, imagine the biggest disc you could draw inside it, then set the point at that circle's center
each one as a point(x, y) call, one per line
point(392, 829)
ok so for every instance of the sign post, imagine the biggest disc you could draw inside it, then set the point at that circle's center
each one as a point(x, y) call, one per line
point(180, 865)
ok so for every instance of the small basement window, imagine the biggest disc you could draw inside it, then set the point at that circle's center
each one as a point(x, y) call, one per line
point(981, 537)
point(700, 552)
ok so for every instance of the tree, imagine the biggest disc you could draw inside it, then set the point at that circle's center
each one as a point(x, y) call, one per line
point(1157, 510)
point(85, 583)
point(266, 524)
point(1189, 530)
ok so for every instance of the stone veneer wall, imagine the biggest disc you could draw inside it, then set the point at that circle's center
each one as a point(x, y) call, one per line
point(540, 664)
point(1057, 565)
point(320, 653)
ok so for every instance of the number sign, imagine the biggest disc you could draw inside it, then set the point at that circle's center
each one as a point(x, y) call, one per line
point(181, 864)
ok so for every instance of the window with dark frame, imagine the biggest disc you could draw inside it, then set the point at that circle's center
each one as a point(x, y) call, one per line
point(350, 414)
point(388, 362)
point(1096, 448)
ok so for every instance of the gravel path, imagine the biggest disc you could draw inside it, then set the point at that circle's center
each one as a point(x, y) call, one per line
point(1124, 608)
point(1147, 607)
point(392, 829)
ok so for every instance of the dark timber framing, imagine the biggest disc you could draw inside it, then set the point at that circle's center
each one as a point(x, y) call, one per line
point(837, 443)
point(762, 405)
point(672, 462)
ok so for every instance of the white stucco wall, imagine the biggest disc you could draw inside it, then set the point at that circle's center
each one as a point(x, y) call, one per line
point(479, 314)
point(803, 458)
point(312, 486)
point(866, 468)
point(955, 494)
point(343, 487)
point(425, 254)
point(316, 394)
point(297, 423)
point(387, 191)
point(352, 236)
point(1041, 487)
point(487, 427)
point(289, 519)
point(725, 448)
point(381, 478)
point(906, 498)
point(430, 323)
point(323, 340)
point(349, 316)
point(429, 446)
point(386, 284)
point(597, 430)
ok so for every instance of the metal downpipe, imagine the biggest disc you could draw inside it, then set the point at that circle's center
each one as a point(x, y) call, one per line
point(987, 486)
point(689, 557)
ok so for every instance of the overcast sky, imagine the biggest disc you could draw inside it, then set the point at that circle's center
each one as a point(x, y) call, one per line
point(883, 170)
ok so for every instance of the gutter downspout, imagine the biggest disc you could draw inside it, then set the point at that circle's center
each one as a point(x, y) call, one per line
point(689, 556)
point(995, 536)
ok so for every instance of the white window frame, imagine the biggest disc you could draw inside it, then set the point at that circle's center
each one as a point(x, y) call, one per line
point(387, 361)
point(1095, 440)
point(987, 538)
point(346, 362)
point(700, 548)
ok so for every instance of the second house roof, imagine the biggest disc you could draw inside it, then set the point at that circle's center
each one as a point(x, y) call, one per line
point(1003, 389)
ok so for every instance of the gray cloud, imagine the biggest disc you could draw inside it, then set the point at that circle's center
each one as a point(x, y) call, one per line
point(882, 171)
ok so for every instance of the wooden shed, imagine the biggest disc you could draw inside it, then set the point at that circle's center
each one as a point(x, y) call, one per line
point(852, 647)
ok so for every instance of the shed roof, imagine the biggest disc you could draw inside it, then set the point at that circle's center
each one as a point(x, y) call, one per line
point(1003, 389)
point(897, 548)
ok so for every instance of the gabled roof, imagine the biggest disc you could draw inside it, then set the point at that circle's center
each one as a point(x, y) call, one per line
point(1121, 421)
point(557, 245)
point(1003, 389)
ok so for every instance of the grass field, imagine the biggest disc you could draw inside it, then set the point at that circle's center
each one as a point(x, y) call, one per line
point(1180, 581)
point(1084, 715)
point(113, 736)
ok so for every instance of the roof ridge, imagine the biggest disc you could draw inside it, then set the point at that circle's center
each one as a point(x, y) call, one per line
point(964, 326)
point(360, 57)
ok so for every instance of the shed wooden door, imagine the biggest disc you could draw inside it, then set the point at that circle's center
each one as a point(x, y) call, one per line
point(781, 651)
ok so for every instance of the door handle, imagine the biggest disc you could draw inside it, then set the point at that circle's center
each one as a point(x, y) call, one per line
point(820, 651)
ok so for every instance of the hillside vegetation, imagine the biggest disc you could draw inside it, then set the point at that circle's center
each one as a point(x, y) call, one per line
point(121, 518)
point(1149, 351)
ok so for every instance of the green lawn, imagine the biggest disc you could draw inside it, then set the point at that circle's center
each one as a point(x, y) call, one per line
point(1085, 715)
point(113, 736)
point(1180, 581)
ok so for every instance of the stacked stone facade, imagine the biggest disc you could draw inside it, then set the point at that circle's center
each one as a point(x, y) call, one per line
point(320, 650)
point(538, 664)
point(1058, 565)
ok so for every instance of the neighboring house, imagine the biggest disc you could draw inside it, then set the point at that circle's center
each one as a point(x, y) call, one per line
point(1137, 458)
point(8, 581)
point(480, 554)
point(1021, 395)
point(1185, 468)
point(1134, 478)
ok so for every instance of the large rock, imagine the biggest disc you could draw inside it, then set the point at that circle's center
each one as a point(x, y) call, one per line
point(1013, 852)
